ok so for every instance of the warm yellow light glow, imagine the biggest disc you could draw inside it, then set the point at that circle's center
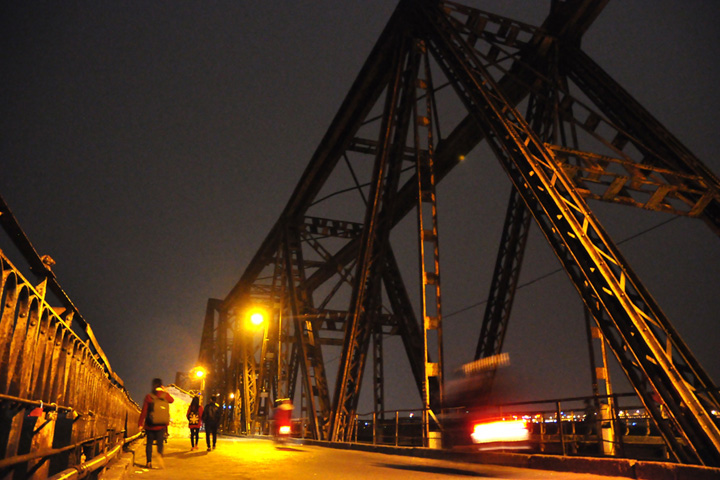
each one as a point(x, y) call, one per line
point(284, 430)
point(256, 316)
point(200, 373)
point(232, 395)
point(502, 431)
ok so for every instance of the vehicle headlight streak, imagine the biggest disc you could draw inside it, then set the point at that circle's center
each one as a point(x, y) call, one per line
point(500, 431)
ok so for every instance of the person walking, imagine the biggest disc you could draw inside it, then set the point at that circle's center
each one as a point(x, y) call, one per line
point(194, 416)
point(211, 419)
point(154, 418)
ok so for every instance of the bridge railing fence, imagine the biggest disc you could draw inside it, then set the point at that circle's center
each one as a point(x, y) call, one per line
point(60, 403)
point(606, 425)
point(396, 427)
point(613, 426)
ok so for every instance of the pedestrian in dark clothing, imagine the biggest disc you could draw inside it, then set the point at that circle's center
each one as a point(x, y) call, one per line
point(211, 419)
point(154, 418)
point(194, 416)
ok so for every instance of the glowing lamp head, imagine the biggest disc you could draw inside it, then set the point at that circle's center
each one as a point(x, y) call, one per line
point(284, 430)
point(199, 373)
point(257, 318)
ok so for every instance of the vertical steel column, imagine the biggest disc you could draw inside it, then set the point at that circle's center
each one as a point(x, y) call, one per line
point(505, 277)
point(306, 335)
point(429, 250)
point(366, 295)
point(266, 372)
point(378, 373)
point(249, 372)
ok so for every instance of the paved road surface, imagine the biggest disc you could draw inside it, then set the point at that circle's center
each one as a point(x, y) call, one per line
point(257, 459)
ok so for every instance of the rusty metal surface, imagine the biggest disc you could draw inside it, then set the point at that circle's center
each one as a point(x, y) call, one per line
point(59, 398)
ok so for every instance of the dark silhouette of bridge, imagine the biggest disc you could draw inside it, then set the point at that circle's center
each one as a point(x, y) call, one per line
point(328, 275)
point(565, 133)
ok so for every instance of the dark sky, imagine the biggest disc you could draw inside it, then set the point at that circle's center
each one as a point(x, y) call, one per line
point(148, 147)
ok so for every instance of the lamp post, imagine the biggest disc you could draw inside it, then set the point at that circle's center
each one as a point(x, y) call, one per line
point(253, 321)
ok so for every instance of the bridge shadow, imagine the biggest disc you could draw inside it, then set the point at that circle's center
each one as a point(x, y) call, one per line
point(433, 469)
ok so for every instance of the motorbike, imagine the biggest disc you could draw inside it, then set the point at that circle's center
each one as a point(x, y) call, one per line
point(283, 424)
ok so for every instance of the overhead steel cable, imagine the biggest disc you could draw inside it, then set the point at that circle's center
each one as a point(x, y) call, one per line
point(558, 270)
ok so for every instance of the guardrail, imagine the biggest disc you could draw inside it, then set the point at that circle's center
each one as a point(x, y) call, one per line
point(60, 402)
point(556, 427)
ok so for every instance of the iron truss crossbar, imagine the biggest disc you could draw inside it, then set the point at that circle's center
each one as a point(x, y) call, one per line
point(600, 177)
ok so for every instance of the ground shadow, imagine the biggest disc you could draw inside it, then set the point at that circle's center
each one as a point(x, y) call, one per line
point(288, 449)
point(187, 453)
point(433, 469)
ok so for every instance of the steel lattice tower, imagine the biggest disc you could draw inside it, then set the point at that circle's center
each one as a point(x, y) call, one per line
point(564, 132)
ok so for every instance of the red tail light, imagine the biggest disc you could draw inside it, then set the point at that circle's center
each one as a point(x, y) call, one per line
point(502, 431)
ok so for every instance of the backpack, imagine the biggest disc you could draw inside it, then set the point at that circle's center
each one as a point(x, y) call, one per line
point(210, 414)
point(158, 411)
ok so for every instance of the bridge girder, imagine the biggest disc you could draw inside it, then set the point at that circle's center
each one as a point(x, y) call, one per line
point(556, 157)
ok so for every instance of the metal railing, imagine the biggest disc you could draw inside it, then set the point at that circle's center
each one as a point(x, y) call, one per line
point(567, 426)
point(401, 428)
point(60, 402)
point(590, 426)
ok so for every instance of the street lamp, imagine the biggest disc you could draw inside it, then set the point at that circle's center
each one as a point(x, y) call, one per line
point(256, 316)
point(200, 374)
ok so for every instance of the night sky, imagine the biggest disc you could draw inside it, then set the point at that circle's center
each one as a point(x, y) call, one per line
point(148, 147)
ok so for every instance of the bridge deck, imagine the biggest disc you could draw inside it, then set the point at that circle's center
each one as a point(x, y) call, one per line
point(260, 459)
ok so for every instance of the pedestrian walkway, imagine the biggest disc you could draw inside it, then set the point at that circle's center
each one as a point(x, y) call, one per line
point(261, 459)
point(179, 462)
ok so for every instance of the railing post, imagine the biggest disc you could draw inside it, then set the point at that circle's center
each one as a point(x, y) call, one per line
point(560, 432)
point(425, 428)
point(618, 437)
point(374, 427)
point(355, 430)
point(397, 427)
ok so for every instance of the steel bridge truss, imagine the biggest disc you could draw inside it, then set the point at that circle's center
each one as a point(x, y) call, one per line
point(327, 270)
